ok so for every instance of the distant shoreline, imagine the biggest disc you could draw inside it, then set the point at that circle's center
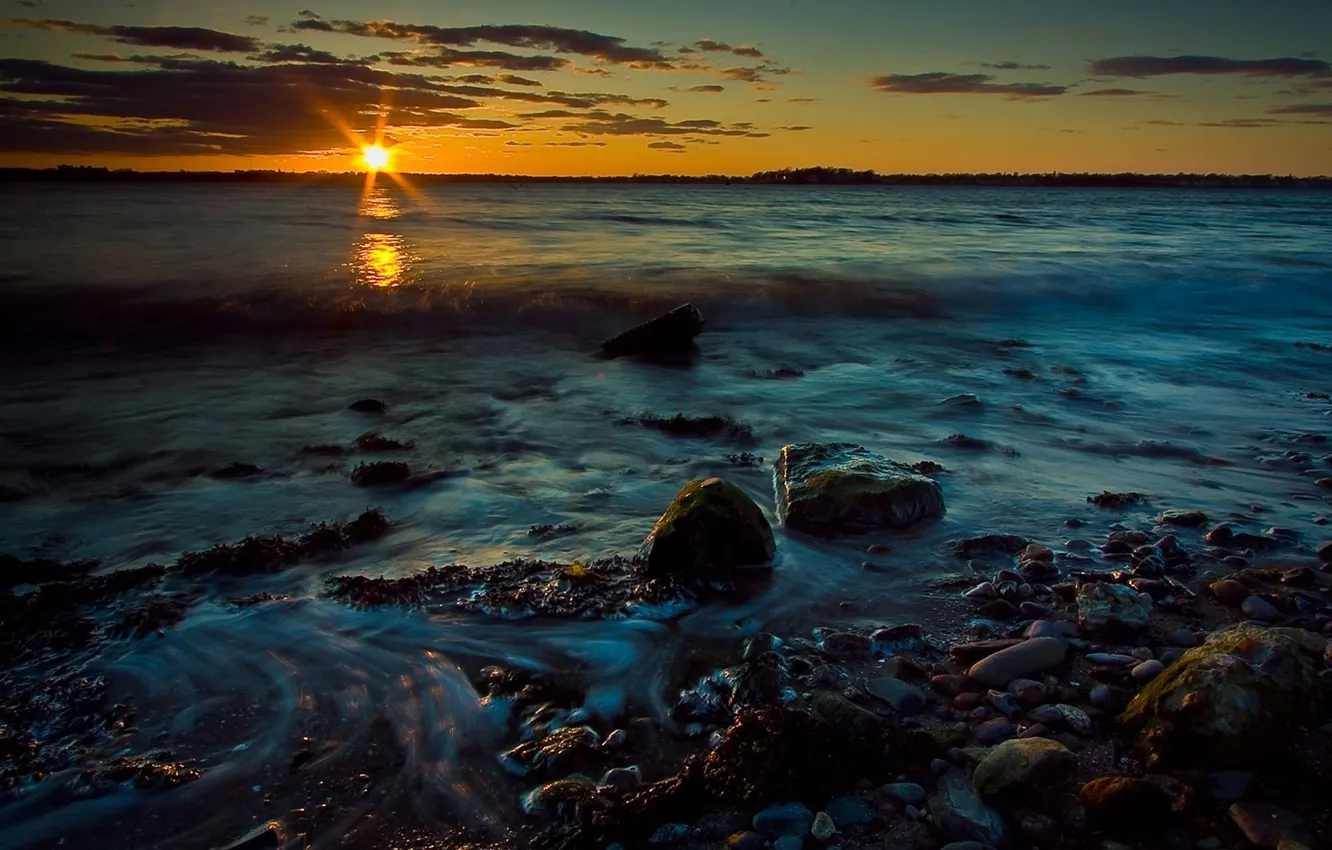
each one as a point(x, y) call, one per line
point(788, 177)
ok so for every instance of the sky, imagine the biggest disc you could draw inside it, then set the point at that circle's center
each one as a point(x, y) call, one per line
point(600, 87)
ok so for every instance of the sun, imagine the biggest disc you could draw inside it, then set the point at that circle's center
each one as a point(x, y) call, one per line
point(375, 157)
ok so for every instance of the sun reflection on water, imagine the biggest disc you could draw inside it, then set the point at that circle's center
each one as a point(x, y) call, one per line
point(382, 260)
point(379, 204)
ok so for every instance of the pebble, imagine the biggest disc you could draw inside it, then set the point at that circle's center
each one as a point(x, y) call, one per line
point(1110, 659)
point(1102, 697)
point(622, 779)
point(949, 685)
point(984, 590)
point(1258, 608)
point(784, 819)
point(1183, 637)
point(1228, 591)
point(1147, 670)
point(1029, 657)
point(847, 645)
point(1073, 523)
point(1027, 691)
point(906, 792)
point(1036, 730)
point(1076, 719)
point(993, 731)
point(1036, 552)
point(823, 827)
point(1035, 610)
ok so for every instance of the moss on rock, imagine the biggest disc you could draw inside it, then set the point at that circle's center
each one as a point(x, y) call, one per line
point(711, 527)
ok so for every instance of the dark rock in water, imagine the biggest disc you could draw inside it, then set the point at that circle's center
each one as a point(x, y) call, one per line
point(965, 443)
point(552, 532)
point(152, 771)
point(784, 819)
point(1115, 500)
point(236, 471)
point(559, 752)
point(669, 333)
point(928, 467)
point(324, 450)
point(1021, 374)
point(959, 814)
point(1237, 700)
point(989, 545)
point(845, 487)
point(368, 405)
point(14, 571)
point(1020, 661)
point(783, 373)
point(379, 474)
point(257, 555)
point(1325, 552)
point(681, 425)
point(847, 645)
point(1124, 805)
point(711, 527)
point(747, 459)
point(1020, 767)
point(376, 443)
point(848, 812)
point(1269, 826)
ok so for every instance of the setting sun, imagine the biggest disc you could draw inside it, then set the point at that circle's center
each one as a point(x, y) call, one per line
point(376, 157)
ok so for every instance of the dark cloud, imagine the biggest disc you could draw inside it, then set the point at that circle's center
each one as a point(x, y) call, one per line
point(940, 82)
point(575, 144)
point(1113, 93)
point(620, 124)
point(514, 80)
point(1159, 66)
point(1013, 66)
point(29, 4)
point(448, 58)
point(1320, 109)
point(802, 100)
point(707, 45)
point(303, 53)
point(256, 20)
point(1160, 123)
point(605, 48)
point(669, 147)
point(1243, 123)
point(757, 74)
point(708, 89)
point(795, 128)
point(180, 38)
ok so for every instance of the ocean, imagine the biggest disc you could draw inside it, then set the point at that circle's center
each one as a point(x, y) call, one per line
point(1152, 341)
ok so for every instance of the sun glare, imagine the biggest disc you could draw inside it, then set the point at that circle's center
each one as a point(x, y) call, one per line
point(376, 157)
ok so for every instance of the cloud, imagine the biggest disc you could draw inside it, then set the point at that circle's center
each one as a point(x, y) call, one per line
point(803, 100)
point(528, 36)
point(575, 144)
point(303, 53)
point(756, 74)
point(1243, 123)
point(180, 38)
point(708, 89)
point(1159, 66)
point(448, 58)
point(1013, 66)
point(795, 128)
point(1114, 93)
point(620, 124)
point(514, 80)
point(940, 82)
point(29, 4)
point(707, 45)
point(672, 147)
point(1161, 123)
point(512, 144)
point(1320, 109)
point(256, 20)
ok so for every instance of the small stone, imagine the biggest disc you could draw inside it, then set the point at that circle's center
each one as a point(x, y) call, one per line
point(746, 841)
point(984, 590)
point(847, 645)
point(1147, 670)
point(1267, 825)
point(784, 819)
point(1051, 628)
point(967, 701)
point(1102, 697)
point(959, 814)
point(999, 609)
point(823, 827)
point(907, 700)
point(1183, 637)
point(622, 779)
point(1076, 719)
point(906, 792)
point(1025, 659)
point(1036, 552)
point(1027, 691)
point(1004, 703)
point(1183, 519)
point(1110, 659)
point(1035, 610)
point(949, 685)
point(1257, 608)
point(993, 731)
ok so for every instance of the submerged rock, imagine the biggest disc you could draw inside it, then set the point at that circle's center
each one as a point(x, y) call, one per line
point(368, 405)
point(1237, 700)
point(669, 333)
point(842, 486)
point(379, 474)
point(1016, 767)
point(711, 527)
point(1112, 606)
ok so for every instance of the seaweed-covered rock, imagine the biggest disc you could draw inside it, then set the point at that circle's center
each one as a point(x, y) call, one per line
point(842, 486)
point(669, 333)
point(1236, 700)
point(711, 526)
point(1112, 606)
point(1021, 764)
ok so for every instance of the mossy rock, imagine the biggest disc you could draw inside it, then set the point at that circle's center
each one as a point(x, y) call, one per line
point(842, 487)
point(1020, 766)
point(711, 528)
point(1237, 700)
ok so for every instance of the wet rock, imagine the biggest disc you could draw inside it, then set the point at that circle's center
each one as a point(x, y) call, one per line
point(984, 590)
point(1015, 768)
point(1268, 826)
point(907, 700)
point(1236, 700)
point(848, 811)
point(559, 798)
point(988, 545)
point(784, 819)
point(236, 471)
point(1027, 691)
point(847, 645)
point(892, 639)
point(1183, 519)
point(1004, 703)
point(376, 443)
point(622, 779)
point(155, 770)
point(823, 827)
point(906, 792)
point(694, 427)
point(669, 833)
point(1147, 670)
point(999, 609)
point(1025, 659)
point(1120, 804)
point(960, 815)
point(1052, 629)
point(1101, 697)
point(841, 486)
point(711, 527)
point(1035, 610)
point(559, 752)
point(1183, 637)
point(1257, 608)
point(788, 842)
point(1111, 659)
point(1229, 592)
point(1036, 552)
point(380, 474)
point(1115, 500)
point(259, 555)
point(993, 731)
point(669, 333)
point(368, 405)
point(1112, 606)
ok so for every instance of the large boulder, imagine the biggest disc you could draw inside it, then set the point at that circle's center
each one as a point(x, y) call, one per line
point(845, 487)
point(1021, 766)
point(1237, 700)
point(710, 528)
point(669, 333)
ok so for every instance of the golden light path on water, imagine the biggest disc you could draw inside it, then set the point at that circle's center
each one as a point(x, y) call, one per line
point(381, 259)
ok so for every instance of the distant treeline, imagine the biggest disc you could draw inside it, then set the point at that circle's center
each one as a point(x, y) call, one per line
point(788, 176)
